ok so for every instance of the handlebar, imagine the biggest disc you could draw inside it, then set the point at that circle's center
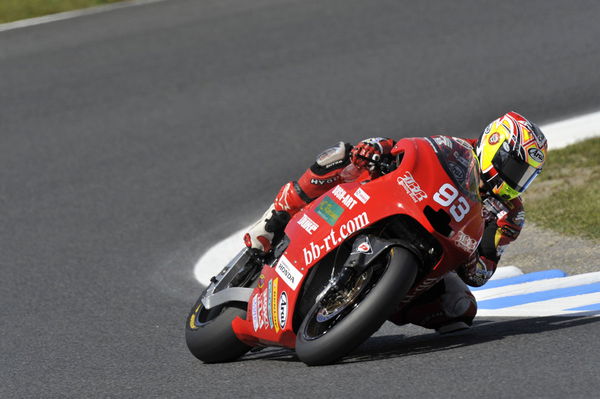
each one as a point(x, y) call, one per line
point(383, 167)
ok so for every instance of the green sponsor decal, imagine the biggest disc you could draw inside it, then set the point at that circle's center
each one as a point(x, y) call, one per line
point(329, 210)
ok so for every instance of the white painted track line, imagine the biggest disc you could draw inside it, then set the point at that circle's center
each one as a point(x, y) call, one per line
point(24, 23)
point(217, 256)
point(545, 308)
point(537, 286)
point(506, 272)
point(562, 133)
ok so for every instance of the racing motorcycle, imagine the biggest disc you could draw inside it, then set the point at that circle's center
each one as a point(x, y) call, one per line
point(348, 261)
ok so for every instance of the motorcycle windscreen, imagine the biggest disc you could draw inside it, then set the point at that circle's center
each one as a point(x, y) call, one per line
point(459, 161)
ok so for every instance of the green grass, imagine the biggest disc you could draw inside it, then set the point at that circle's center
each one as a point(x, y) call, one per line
point(566, 196)
point(12, 10)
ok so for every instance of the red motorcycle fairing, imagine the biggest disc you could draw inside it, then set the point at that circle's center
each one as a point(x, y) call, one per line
point(427, 182)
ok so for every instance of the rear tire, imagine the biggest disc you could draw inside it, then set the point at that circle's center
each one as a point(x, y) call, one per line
point(368, 313)
point(209, 335)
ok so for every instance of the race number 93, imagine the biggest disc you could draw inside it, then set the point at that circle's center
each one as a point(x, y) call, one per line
point(447, 195)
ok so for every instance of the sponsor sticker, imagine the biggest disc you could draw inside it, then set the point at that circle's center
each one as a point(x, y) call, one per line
point(457, 171)
point(263, 310)
point(466, 242)
point(288, 272)
point(255, 312)
point(494, 138)
point(320, 182)
point(364, 248)
point(412, 187)
point(270, 303)
point(329, 211)
point(283, 309)
point(308, 224)
point(536, 154)
point(313, 251)
point(273, 303)
point(443, 140)
point(361, 195)
point(261, 281)
point(345, 198)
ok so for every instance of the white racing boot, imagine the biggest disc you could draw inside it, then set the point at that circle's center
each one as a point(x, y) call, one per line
point(260, 235)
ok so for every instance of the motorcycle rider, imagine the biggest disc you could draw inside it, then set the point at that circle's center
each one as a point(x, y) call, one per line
point(511, 152)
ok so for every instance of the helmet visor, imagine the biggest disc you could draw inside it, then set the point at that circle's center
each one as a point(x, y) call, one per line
point(514, 171)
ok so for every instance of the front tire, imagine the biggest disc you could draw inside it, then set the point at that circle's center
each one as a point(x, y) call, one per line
point(209, 335)
point(318, 343)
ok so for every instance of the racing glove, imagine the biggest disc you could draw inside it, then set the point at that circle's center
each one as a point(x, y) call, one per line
point(504, 222)
point(369, 151)
point(477, 270)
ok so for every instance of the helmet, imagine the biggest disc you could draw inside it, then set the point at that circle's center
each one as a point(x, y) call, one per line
point(511, 152)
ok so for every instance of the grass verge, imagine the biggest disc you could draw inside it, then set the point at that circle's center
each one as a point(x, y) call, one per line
point(566, 195)
point(12, 10)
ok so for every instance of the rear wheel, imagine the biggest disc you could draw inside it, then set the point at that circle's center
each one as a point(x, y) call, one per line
point(342, 319)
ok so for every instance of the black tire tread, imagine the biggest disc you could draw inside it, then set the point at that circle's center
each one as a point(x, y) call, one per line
point(367, 318)
point(215, 342)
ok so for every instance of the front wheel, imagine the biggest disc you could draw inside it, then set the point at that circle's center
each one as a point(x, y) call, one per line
point(209, 335)
point(208, 332)
point(339, 322)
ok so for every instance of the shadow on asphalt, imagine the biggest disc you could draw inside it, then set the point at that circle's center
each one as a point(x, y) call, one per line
point(391, 346)
point(483, 331)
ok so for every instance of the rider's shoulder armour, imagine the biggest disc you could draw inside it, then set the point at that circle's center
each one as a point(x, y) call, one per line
point(332, 158)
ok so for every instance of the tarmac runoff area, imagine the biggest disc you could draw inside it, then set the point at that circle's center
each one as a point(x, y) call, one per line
point(511, 292)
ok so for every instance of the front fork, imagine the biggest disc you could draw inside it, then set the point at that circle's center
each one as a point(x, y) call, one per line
point(225, 286)
point(365, 249)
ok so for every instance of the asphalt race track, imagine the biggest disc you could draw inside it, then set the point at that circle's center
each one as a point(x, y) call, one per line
point(132, 140)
